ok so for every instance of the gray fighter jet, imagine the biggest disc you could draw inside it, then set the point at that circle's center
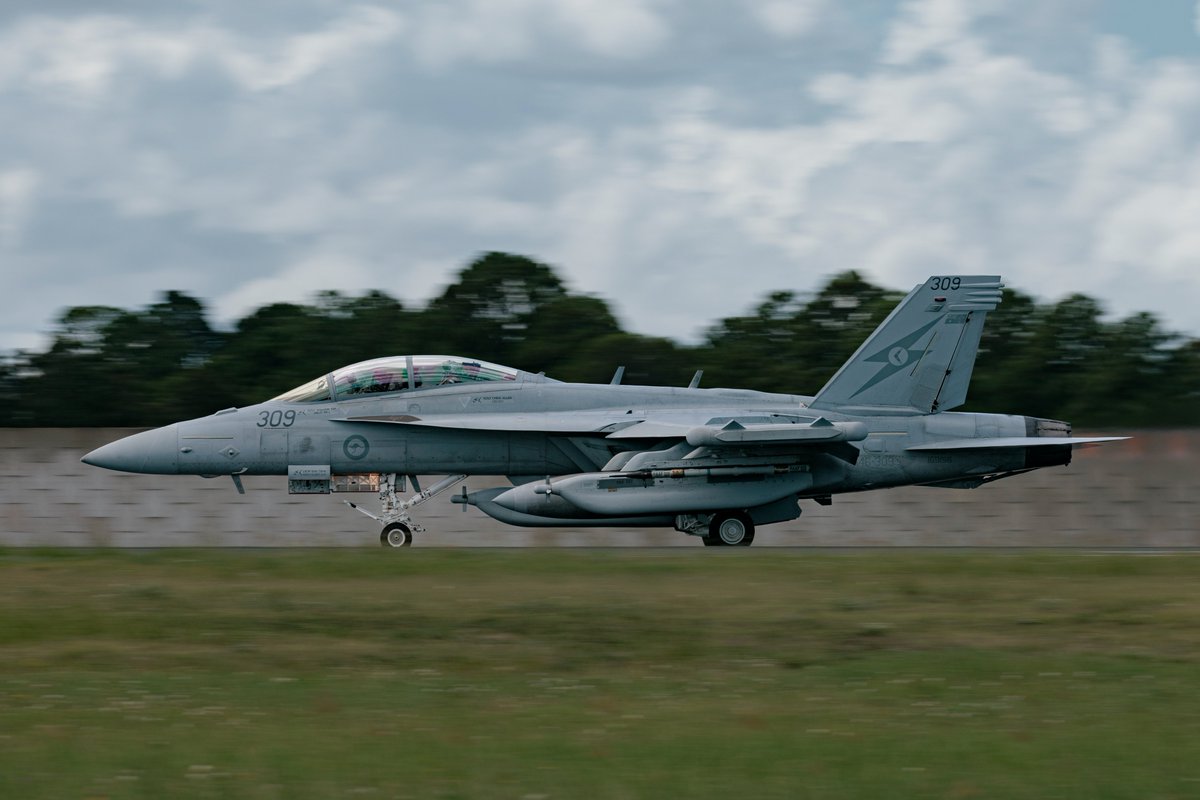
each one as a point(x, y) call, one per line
point(711, 463)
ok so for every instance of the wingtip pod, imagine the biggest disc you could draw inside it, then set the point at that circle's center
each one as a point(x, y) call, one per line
point(921, 357)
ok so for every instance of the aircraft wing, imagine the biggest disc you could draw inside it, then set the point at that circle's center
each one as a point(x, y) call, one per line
point(619, 425)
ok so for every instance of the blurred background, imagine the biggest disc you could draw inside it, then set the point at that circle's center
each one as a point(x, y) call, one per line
point(206, 203)
point(203, 207)
point(111, 368)
point(164, 362)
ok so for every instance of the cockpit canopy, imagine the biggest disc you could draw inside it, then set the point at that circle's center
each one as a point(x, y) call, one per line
point(396, 374)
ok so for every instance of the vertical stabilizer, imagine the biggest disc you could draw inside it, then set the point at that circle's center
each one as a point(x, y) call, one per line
point(921, 357)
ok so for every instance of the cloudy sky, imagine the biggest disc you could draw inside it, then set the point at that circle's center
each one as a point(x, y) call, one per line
point(680, 158)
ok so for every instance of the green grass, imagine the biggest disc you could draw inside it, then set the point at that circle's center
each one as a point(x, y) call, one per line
point(606, 674)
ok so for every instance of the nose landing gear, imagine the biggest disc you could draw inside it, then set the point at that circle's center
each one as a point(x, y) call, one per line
point(398, 524)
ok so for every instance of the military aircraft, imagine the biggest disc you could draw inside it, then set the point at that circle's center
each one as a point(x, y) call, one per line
point(711, 463)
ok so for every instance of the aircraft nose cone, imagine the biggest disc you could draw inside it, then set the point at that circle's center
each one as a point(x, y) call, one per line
point(154, 452)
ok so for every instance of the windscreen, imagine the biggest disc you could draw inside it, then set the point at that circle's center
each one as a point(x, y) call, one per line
point(315, 391)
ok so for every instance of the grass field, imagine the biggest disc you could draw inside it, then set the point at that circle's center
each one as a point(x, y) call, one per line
point(598, 674)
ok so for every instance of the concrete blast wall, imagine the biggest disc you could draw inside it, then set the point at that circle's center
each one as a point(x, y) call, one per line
point(1141, 493)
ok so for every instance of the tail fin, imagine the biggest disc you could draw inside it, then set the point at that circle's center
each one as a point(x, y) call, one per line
point(921, 357)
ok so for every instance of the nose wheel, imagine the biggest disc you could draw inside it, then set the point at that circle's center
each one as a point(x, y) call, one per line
point(396, 535)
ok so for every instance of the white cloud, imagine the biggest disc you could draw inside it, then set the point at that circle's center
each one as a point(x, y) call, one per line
point(612, 28)
point(83, 55)
point(976, 161)
point(17, 190)
point(298, 57)
point(491, 31)
point(681, 159)
point(929, 26)
point(1139, 180)
point(297, 282)
point(788, 19)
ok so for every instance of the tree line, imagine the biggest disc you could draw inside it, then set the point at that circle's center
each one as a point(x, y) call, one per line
point(165, 362)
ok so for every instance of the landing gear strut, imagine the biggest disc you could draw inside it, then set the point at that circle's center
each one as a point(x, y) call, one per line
point(398, 524)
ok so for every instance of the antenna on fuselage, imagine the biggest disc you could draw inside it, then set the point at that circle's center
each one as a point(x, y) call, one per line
point(696, 379)
point(617, 376)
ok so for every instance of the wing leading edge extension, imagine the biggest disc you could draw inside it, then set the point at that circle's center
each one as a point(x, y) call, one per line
point(731, 433)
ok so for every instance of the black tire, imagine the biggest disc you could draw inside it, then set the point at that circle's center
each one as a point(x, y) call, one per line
point(731, 529)
point(396, 535)
point(711, 541)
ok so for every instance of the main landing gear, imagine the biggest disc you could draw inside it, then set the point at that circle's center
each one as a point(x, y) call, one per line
point(730, 529)
point(398, 524)
point(718, 529)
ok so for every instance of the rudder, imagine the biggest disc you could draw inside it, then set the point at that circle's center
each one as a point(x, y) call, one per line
point(921, 357)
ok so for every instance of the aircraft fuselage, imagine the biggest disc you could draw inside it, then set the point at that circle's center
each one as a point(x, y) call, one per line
point(268, 438)
point(710, 462)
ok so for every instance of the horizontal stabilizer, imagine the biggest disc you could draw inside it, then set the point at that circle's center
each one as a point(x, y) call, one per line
point(1014, 441)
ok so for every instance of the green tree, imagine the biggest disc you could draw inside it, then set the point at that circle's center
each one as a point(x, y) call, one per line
point(1181, 406)
point(1002, 366)
point(648, 361)
point(794, 346)
point(164, 362)
point(283, 345)
point(107, 366)
point(758, 351)
point(1126, 376)
point(487, 312)
point(559, 332)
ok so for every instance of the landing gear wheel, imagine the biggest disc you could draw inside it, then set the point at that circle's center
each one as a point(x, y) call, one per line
point(396, 535)
point(730, 529)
